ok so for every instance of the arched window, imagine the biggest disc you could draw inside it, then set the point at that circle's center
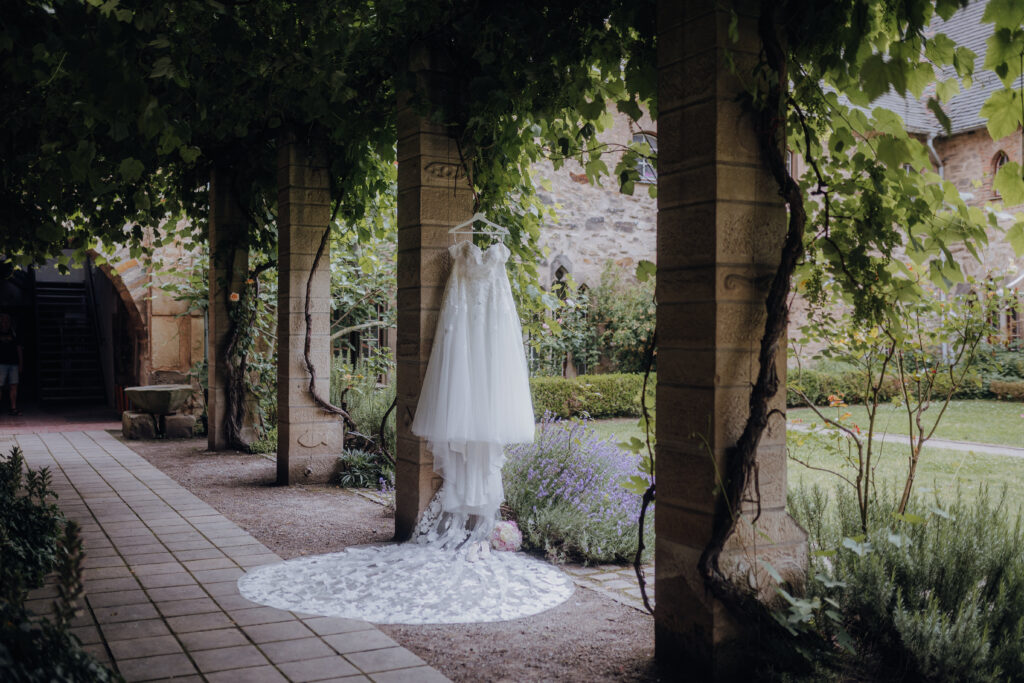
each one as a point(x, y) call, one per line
point(997, 163)
point(559, 286)
point(648, 174)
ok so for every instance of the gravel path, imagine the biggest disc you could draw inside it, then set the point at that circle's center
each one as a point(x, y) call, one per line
point(588, 638)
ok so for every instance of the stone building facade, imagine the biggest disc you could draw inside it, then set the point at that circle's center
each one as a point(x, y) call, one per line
point(594, 223)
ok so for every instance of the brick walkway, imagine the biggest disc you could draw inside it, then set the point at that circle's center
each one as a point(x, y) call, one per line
point(160, 580)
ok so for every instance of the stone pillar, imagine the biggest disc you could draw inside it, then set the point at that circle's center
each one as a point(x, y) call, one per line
point(308, 438)
point(433, 195)
point(229, 267)
point(721, 225)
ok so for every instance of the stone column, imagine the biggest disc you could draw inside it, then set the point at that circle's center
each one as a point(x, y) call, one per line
point(721, 225)
point(308, 438)
point(433, 195)
point(229, 267)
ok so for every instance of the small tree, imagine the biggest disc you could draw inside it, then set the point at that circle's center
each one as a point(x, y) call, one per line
point(920, 357)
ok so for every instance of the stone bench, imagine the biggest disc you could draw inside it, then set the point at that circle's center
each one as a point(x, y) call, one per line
point(156, 412)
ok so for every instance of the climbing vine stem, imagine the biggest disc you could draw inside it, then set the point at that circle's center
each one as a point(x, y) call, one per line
point(741, 460)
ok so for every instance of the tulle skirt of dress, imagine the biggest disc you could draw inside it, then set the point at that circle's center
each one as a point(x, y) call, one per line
point(475, 396)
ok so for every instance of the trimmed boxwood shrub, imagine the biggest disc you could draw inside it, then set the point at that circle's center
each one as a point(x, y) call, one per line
point(599, 396)
point(1012, 391)
point(837, 380)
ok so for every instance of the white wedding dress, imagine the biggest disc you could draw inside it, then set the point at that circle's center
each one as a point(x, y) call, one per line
point(475, 399)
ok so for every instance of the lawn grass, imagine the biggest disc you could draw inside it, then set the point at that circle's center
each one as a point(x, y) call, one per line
point(940, 471)
point(620, 429)
point(980, 421)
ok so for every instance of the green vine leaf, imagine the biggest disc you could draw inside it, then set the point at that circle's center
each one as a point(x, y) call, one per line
point(1009, 183)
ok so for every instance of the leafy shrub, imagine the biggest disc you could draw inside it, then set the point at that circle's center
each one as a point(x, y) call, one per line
point(565, 491)
point(937, 593)
point(365, 399)
point(597, 396)
point(265, 444)
point(1013, 391)
point(362, 470)
point(623, 313)
point(35, 539)
point(30, 528)
point(997, 362)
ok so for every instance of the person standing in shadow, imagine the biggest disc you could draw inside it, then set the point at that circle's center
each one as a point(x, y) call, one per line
point(11, 361)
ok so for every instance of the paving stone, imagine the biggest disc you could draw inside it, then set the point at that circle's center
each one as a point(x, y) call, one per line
point(146, 539)
point(189, 545)
point(166, 580)
point(359, 641)
point(234, 602)
point(419, 674)
point(110, 585)
point(199, 622)
point(294, 650)
point(211, 640)
point(215, 575)
point(177, 608)
point(130, 551)
point(204, 554)
point(144, 647)
point(225, 658)
point(169, 593)
point(326, 626)
point(222, 588)
point(114, 572)
point(319, 669)
point(150, 558)
point(155, 668)
point(260, 674)
point(111, 615)
point(282, 630)
point(216, 563)
point(87, 635)
point(190, 535)
point(254, 548)
point(93, 560)
point(259, 615)
point(373, 661)
point(98, 652)
point(159, 568)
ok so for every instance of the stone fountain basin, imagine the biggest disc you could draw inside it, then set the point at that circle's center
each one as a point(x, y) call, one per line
point(159, 399)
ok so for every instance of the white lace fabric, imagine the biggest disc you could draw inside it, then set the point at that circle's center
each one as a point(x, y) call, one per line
point(410, 583)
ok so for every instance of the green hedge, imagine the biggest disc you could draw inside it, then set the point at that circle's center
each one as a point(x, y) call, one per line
point(1012, 391)
point(599, 396)
point(818, 384)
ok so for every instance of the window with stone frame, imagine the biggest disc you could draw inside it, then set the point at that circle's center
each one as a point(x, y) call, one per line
point(997, 163)
point(648, 173)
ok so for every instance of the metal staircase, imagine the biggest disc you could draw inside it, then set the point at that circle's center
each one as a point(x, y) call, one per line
point(67, 346)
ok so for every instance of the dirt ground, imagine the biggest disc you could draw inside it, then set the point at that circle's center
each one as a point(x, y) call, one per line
point(588, 638)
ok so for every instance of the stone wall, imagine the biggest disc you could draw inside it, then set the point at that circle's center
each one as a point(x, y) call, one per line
point(968, 161)
point(596, 223)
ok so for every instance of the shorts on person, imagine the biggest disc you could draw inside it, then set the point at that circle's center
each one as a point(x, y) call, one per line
point(8, 374)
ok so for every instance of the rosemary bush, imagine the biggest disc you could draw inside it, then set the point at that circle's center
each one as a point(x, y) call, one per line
point(565, 491)
point(937, 593)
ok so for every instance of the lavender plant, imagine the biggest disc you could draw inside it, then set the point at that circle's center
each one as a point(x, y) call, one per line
point(565, 490)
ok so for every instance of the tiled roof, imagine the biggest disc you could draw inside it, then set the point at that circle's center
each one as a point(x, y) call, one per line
point(965, 29)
